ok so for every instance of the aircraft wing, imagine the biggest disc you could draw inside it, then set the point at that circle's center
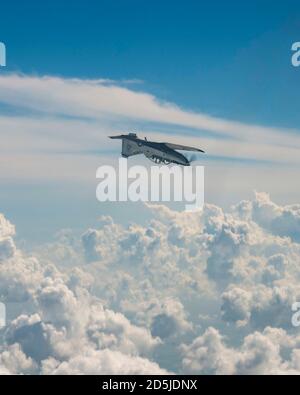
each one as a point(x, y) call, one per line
point(130, 148)
point(183, 147)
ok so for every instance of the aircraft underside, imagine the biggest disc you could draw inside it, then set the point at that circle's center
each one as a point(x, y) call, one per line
point(159, 153)
point(158, 160)
point(165, 158)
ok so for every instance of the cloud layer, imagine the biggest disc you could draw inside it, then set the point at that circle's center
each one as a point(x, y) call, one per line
point(203, 293)
point(75, 116)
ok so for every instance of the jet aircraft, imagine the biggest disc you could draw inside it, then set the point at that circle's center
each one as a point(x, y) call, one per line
point(159, 153)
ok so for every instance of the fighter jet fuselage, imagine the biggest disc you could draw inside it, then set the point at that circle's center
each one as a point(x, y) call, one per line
point(159, 153)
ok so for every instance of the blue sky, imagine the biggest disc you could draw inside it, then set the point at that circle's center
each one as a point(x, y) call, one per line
point(229, 60)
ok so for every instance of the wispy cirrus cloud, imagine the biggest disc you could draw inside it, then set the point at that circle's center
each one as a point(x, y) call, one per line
point(100, 98)
point(45, 117)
